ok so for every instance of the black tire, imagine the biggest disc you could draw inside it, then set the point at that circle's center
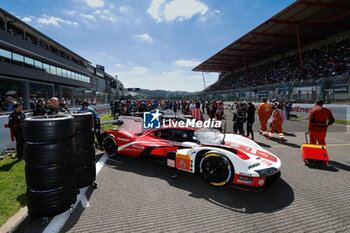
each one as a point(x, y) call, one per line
point(85, 158)
point(48, 129)
point(83, 120)
point(46, 178)
point(48, 154)
point(50, 203)
point(85, 176)
point(110, 145)
point(84, 139)
point(216, 169)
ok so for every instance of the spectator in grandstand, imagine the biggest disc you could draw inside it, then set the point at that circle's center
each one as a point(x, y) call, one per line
point(16, 126)
point(39, 109)
point(264, 112)
point(277, 118)
point(85, 108)
point(250, 119)
point(197, 113)
point(318, 123)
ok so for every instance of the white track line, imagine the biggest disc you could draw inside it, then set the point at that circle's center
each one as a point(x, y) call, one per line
point(58, 221)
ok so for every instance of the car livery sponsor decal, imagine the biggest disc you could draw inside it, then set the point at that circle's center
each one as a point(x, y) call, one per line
point(245, 174)
point(183, 162)
point(245, 180)
point(170, 163)
point(254, 165)
point(124, 139)
point(267, 163)
point(261, 182)
point(138, 147)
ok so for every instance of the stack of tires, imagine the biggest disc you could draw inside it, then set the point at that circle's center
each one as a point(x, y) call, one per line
point(85, 149)
point(50, 164)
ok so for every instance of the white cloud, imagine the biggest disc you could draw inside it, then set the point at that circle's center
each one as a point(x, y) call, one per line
point(123, 9)
point(181, 9)
point(71, 12)
point(119, 65)
point(145, 37)
point(184, 9)
point(217, 11)
point(186, 63)
point(55, 21)
point(95, 3)
point(88, 16)
point(28, 19)
point(154, 9)
point(139, 70)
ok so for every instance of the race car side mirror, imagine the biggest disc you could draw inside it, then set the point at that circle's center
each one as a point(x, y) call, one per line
point(189, 144)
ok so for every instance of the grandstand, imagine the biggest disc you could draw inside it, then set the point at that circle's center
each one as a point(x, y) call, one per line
point(302, 53)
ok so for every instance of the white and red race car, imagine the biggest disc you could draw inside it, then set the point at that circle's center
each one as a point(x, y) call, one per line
point(221, 159)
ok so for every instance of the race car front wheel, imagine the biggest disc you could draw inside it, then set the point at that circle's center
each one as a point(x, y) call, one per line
point(216, 169)
point(110, 145)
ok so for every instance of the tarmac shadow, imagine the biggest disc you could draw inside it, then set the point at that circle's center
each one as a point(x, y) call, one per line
point(340, 166)
point(284, 142)
point(274, 198)
point(289, 134)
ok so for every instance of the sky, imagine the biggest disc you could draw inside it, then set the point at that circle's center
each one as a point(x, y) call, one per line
point(150, 44)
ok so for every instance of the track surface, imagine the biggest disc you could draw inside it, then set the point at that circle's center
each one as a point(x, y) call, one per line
point(135, 196)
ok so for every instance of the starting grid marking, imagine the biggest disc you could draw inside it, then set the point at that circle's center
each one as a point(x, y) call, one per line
point(328, 145)
point(58, 221)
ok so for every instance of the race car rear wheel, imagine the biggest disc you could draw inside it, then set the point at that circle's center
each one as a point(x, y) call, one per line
point(110, 145)
point(216, 169)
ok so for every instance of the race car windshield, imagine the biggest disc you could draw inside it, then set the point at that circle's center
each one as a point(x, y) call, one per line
point(208, 136)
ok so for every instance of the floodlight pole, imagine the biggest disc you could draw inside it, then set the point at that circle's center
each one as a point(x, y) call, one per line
point(203, 80)
point(300, 57)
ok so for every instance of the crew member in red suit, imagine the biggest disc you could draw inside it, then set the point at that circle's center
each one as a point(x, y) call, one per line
point(264, 112)
point(197, 113)
point(318, 123)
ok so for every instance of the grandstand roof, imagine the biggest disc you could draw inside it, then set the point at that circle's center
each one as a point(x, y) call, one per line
point(315, 20)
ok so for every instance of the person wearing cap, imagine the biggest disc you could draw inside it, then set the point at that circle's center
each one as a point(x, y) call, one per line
point(318, 123)
point(264, 112)
point(85, 108)
point(277, 121)
point(16, 126)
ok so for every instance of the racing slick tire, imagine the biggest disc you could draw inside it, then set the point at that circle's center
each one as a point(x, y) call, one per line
point(83, 120)
point(84, 139)
point(50, 202)
point(48, 128)
point(85, 176)
point(85, 157)
point(216, 169)
point(48, 154)
point(45, 178)
point(110, 145)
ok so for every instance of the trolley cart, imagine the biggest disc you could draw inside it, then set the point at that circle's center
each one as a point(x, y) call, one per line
point(313, 154)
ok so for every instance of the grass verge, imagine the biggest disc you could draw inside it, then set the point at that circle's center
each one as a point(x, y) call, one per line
point(12, 188)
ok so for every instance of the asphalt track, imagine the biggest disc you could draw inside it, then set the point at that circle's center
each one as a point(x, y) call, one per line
point(138, 196)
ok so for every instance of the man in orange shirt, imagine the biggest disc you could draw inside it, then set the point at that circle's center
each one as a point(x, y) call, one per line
point(318, 123)
point(264, 112)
